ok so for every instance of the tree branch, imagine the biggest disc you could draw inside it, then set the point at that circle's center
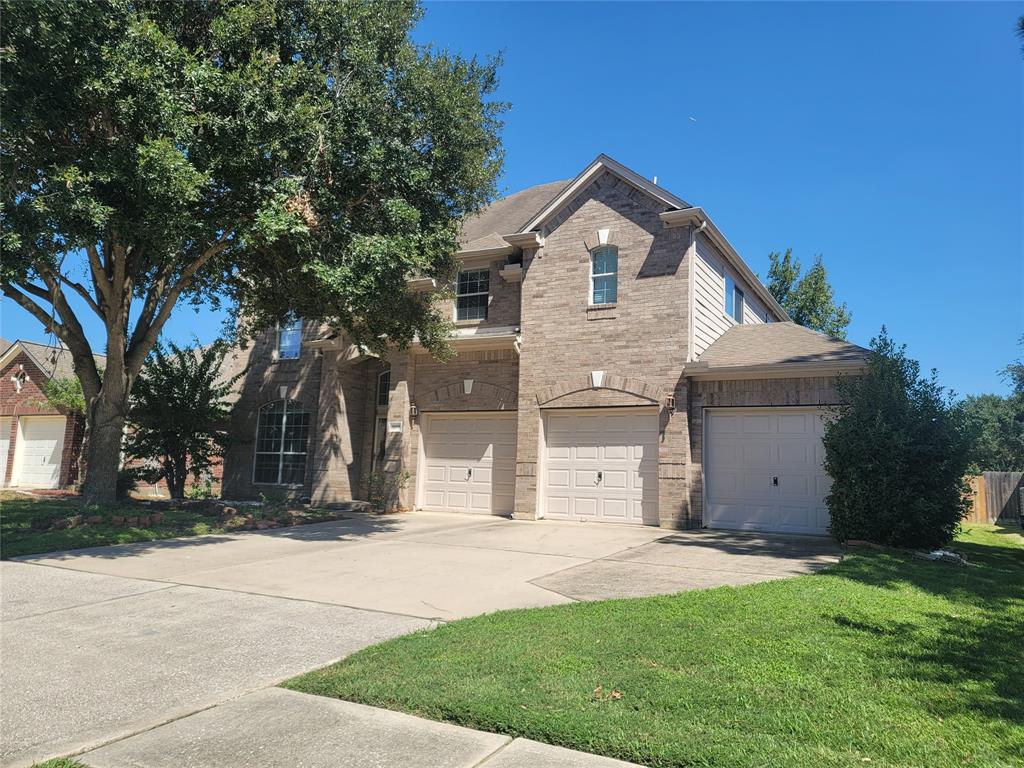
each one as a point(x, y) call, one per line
point(140, 348)
point(82, 291)
point(38, 312)
point(99, 274)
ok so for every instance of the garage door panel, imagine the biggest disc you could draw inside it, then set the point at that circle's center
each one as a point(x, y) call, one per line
point(740, 465)
point(622, 447)
point(5, 445)
point(38, 451)
point(470, 462)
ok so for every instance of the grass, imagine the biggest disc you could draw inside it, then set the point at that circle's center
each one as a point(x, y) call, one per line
point(60, 762)
point(21, 517)
point(882, 660)
point(24, 520)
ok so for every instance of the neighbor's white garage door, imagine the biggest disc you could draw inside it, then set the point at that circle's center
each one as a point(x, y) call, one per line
point(5, 446)
point(38, 451)
point(470, 462)
point(602, 466)
point(763, 470)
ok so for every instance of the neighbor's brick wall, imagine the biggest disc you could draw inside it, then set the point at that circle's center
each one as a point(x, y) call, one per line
point(31, 401)
point(260, 385)
point(643, 337)
point(808, 391)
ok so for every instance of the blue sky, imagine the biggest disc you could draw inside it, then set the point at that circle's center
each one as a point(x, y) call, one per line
point(887, 137)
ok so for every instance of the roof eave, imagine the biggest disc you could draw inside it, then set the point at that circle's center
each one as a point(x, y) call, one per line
point(800, 369)
point(602, 162)
point(698, 217)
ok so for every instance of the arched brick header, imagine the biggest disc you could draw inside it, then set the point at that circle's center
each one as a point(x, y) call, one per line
point(484, 396)
point(635, 387)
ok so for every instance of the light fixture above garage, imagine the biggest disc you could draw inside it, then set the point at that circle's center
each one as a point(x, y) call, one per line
point(670, 403)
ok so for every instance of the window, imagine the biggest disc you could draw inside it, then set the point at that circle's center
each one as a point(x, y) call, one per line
point(282, 435)
point(383, 387)
point(471, 294)
point(289, 339)
point(604, 275)
point(733, 300)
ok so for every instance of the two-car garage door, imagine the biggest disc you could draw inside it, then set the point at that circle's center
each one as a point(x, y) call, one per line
point(763, 470)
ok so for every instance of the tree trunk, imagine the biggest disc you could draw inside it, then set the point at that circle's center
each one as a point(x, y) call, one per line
point(104, 432)
point(176, 478)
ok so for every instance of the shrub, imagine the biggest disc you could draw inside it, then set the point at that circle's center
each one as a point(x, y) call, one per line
point(897, 451)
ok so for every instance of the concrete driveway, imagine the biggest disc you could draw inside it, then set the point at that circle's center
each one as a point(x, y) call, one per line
point(101, 643)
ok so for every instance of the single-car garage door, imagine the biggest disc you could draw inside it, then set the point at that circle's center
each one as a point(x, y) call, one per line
point(5, 445)
point(470, 462)
point(37, 452)
point(763, 470)
point(602, 465)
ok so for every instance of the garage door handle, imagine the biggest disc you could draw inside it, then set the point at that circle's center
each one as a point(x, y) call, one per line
point(469, 473)
point(599, 476)
point(775, 481)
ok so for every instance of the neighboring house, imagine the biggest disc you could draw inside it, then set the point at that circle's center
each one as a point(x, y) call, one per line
point(617, 361)
point(39, 445)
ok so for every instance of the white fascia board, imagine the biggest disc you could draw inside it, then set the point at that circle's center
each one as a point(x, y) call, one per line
point(703, 371)
point(602, 162)
point(698, 216)
point(485, 253)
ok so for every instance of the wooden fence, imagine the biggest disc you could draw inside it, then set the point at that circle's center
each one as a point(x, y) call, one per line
point(995, 497)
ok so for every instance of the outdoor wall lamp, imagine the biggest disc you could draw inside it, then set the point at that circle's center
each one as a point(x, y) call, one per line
point(413, 411)
point(670, 404)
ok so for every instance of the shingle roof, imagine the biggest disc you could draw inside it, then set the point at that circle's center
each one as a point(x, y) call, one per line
point(773, 344)
point(54, 361)
point(505, 216)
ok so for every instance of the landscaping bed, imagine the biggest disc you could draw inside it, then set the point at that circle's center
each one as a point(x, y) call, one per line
point(882, 660)
point(34, 523)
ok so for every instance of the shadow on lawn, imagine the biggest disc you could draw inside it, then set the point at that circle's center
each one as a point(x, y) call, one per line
point(350, 529)
point(978, 645)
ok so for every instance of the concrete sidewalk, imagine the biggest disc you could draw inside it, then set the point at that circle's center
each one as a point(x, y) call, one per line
point(276, 728)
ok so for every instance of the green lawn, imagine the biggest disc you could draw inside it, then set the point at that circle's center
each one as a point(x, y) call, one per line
point(24, 521)
point(883, 660)
point(18, 535)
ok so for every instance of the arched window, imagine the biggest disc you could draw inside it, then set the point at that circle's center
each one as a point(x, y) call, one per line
point(282, 437)
point(604, 275)
point(384, 387)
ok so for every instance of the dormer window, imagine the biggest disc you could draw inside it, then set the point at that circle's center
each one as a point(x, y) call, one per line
point(289, 339)
point(471, 292)
point(733, 300)
point(604, 275)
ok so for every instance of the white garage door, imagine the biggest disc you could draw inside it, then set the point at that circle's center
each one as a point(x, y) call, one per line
point(38, 451)
point(602, 466)
point(470, 463)
point(5, 445)
point(763, 470)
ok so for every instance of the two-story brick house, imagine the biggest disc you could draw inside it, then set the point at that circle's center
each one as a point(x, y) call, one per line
point(617, 361)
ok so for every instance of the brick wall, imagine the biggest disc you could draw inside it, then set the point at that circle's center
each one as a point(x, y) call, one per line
point(260, 385)
point(812, 390)
point(29, 400)
point(643, 337)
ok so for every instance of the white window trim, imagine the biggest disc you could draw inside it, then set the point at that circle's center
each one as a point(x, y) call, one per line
point(615, 274)
point(376, 393)
point(280, 454)
point(739, 300)
point(277, 341)
point(486, 293)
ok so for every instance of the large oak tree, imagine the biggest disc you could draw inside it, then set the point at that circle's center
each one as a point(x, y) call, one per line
point(278, 155)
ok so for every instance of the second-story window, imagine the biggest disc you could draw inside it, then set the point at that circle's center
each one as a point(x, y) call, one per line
point(471, 294)
point(604, 275)
point(383, 387)
point(733, 300)
point(289, 339)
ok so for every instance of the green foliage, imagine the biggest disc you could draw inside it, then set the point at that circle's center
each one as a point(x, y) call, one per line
point(897, 451)
point(282, 156)
point(809, 300)
point(65, 394)
point(999, 424)
point(385, 488)
point(179, 414)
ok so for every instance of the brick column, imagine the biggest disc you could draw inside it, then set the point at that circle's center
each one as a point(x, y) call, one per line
point(674, 463)
point(528, 437)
